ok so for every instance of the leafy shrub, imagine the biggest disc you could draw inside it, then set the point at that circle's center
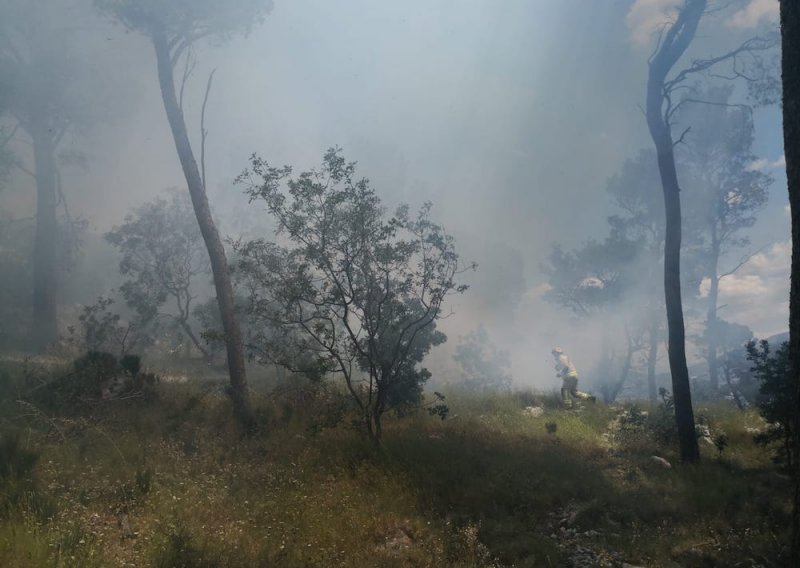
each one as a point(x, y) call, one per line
point(775, 399)
point(661, 423)
point(96, 376)
point(639, 427)
point(100, 329)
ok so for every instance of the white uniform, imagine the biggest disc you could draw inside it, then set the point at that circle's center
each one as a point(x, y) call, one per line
point(569, 379)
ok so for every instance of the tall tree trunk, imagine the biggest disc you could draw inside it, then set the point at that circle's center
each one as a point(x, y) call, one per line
point(712, 329)
point(673, 45)
point(45, 283)
point(617, 387)
point(652, 357)
point(187, 329)
point(790, 36)
point(216, 251)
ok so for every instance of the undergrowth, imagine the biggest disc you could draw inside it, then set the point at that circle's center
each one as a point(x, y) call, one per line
point(168, 480)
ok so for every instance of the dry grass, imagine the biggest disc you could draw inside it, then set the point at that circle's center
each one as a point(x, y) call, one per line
point(489, 487)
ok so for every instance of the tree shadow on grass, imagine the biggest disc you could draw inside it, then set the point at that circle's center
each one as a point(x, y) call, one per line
point(522, 490)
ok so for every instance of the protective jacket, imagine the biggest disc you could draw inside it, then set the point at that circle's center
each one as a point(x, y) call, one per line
point(565, 368)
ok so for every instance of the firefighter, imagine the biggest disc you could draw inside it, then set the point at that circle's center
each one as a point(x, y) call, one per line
point(569, 379)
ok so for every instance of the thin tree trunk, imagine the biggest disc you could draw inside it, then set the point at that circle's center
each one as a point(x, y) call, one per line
point(712, 329)
point(45, 283)
point(652, 358)
point(675, 42)
point(187, 329)
point(790, 36)
point(617, 387)
point(216, 250)
point(734, 393)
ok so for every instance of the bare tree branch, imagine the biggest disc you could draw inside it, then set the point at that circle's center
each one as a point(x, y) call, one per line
point(744, 260)
point(19, 165)
point(189, 65)
point(203, 131)
point(682, 137)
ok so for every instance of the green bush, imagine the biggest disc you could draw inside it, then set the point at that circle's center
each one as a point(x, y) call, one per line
point(775, 399)
point(94, 377)
point(640, 428)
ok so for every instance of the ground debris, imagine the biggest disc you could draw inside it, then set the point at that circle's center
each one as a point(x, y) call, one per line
point(397, 542)
point(576, 545)
point(533, 411)
point(125, 526)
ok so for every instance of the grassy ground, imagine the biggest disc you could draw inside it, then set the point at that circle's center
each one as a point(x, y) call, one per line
point(169, 482)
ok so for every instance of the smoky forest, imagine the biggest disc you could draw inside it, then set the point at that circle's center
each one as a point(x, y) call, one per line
point(444, 283)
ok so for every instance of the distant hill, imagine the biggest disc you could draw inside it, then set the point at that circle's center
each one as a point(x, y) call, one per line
point(779, 338)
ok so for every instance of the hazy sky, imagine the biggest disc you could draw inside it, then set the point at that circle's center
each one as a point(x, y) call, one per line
point(508, 115)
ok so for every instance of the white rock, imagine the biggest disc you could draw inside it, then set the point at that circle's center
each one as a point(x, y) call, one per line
point(534, 411)
point(661, 461)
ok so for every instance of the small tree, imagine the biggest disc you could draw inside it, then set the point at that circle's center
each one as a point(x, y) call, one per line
point(483, 365)
point(732, 340)
point(101, 330)
point(591, 279)
point(776, 398)
point(173, 28)
point(42, 86)
point(162, 256)
point(360, 290)
point(723, 192)
point(674, 42)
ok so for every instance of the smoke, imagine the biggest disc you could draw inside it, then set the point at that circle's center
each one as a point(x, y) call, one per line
point(509, 117)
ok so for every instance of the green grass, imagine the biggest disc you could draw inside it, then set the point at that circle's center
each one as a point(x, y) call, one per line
point(491, 486)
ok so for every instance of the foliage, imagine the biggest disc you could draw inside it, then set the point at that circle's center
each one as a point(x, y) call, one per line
point(42, 71)
point(640, 428)
point(358, 290)
point(592, 278)
point(210, 323)
point(101, 329)
point(438, 407)
point(187, 20)
point(94, 377)
point(635, 192)
point(483, 365)
point(723, 190)
point(776, 401)
point(731, 340)
point(163, 255)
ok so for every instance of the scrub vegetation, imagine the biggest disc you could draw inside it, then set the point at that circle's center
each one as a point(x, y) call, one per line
point(223, 342)
point(164, 478)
